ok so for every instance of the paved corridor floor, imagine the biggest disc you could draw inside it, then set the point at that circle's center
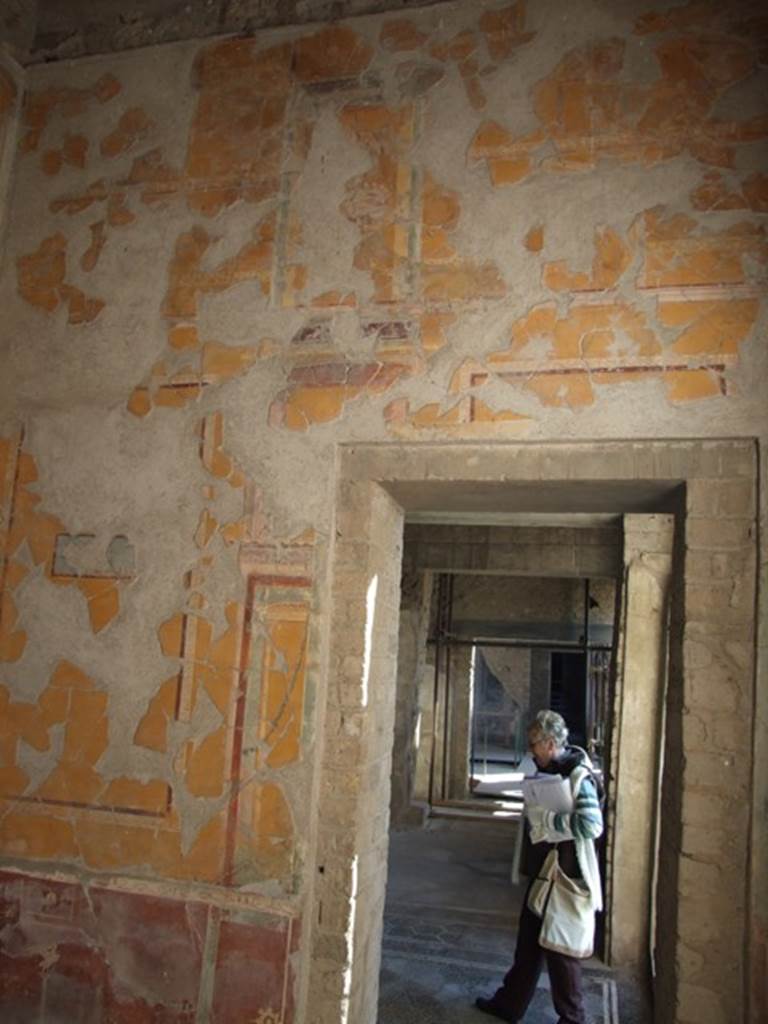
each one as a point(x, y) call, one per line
point(449, 932)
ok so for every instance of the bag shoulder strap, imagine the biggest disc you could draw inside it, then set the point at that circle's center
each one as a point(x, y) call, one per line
point(577, 776)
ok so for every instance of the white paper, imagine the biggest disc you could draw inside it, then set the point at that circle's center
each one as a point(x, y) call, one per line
point(552, 792)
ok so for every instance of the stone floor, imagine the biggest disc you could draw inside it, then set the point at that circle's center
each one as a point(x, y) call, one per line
point(449, 932)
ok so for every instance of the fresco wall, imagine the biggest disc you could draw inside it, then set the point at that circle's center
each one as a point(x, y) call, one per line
point(224, 258)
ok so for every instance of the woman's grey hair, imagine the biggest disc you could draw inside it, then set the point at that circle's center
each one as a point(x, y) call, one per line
point(551, 726)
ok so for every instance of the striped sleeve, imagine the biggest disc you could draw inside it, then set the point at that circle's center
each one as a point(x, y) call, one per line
point(585, 821)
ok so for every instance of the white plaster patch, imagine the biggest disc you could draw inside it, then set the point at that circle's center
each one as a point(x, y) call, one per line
point(55, 620)
point(38, 764)
point(318, 194)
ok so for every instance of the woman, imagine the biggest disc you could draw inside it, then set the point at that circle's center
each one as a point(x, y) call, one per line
point(573, 834)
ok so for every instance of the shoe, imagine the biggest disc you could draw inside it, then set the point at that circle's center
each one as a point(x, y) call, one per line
point(488, 1006)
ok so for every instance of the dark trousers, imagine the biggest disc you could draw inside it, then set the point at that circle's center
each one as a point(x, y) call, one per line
point(520, 980)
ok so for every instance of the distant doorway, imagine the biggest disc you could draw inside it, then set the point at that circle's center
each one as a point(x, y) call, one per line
point(498, 649)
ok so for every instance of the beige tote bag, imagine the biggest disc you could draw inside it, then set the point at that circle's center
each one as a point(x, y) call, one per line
point(565, 907)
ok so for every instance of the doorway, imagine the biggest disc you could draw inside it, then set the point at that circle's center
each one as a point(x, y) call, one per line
point(497, 647)
point(375, 485)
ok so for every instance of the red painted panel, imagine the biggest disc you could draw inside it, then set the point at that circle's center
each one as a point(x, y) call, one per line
point(251, 970)
point(21, 988)
point(76, 954)
point(93, 955)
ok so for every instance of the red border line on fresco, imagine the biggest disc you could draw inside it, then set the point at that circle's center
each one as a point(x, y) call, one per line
point(233, 806)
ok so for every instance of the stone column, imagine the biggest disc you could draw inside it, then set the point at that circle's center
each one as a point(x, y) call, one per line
point(353, 833)
point(459, 723)
point(426, 692)
point(635, 745)
point(416, 593)
point(704, 867)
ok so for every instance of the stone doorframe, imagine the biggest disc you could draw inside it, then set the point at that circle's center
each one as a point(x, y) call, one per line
point(704, 906)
